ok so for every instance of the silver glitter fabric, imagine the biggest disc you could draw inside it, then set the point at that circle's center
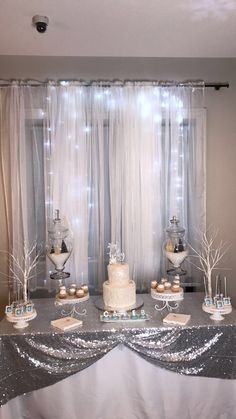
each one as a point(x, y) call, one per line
point(40, 355)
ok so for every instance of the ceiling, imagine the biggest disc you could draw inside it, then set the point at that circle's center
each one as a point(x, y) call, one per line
point(120, 28)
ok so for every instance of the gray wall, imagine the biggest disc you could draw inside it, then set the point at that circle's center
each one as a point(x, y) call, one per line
point(221, 118)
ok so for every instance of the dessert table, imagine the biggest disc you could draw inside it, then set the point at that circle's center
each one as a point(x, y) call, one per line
point(154, 369)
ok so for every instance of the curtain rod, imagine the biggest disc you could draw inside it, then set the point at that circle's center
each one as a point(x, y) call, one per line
point(217, 86)
point(192, 83)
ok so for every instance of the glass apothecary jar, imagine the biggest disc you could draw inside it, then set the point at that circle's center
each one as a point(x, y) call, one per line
point(59, 247)
point(175, 247)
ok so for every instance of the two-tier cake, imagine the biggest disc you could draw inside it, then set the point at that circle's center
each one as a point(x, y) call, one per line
point(119, 292)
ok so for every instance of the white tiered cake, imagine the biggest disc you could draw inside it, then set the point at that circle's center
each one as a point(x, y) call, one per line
point(119, 292)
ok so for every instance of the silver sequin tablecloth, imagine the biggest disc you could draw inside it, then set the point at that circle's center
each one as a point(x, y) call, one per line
point(40, 355)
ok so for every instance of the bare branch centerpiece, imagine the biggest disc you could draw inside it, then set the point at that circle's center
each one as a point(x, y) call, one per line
point(22, 268)
point(209, 255)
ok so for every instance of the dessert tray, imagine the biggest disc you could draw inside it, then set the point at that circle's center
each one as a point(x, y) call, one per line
point(115, 317)
point(167, 295)
point(169, 299)
point(71, 299)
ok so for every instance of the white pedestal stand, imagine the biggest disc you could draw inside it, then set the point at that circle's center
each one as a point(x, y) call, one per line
point(169, 300)
point(74, 301)
point(20, 322)
point(71, 300)
point(216, 313)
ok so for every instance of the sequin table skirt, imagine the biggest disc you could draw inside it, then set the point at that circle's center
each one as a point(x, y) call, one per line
point(41, 355)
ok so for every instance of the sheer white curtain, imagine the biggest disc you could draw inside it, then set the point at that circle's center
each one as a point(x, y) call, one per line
point(124, 159)
point(118, 160)
point(183, 167)
point(66, 171)
point(20, 137)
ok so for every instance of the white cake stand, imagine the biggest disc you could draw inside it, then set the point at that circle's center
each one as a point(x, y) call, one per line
point(71, 300)
point(20, 322)
point(169, 299)
point(216, 313)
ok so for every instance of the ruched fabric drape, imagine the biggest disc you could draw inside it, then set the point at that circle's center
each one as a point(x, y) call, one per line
point(118, 160)
point(43, 355)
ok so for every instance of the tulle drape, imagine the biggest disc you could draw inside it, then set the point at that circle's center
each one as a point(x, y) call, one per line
point(67, 176)
point(125, 158)
point(118, 161)
point(21, 167)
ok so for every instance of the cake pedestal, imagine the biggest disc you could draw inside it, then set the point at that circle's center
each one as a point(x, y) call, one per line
point(216, 313)
point(20, 322)
point(99, 303)
point(169, 300)
point(70, 300)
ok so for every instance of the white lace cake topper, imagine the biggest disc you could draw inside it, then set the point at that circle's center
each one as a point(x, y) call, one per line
point(115, 254)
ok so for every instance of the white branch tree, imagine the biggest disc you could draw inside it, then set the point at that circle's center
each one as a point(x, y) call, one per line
point(209, 255)
point(22, 267)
